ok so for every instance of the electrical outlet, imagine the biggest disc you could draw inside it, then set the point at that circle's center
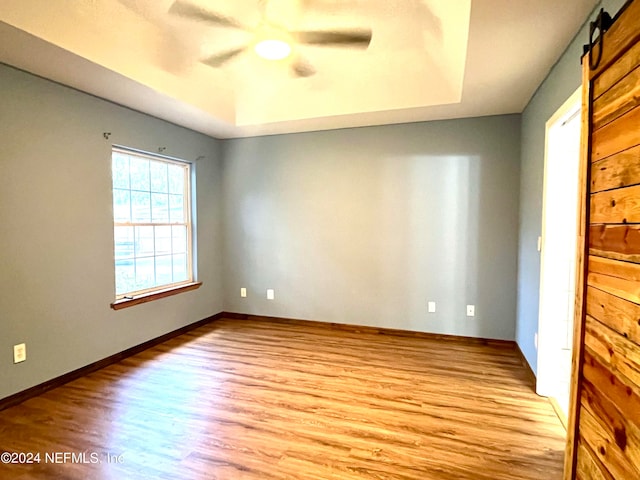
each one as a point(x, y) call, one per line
point(243, 292)
point(471, 310)
point(270, 294)
point(431, 307)
point(19, 353)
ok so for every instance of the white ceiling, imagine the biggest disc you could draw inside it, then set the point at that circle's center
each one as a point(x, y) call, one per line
point(428, 59)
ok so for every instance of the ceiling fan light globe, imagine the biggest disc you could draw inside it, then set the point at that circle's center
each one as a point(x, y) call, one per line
point(272, 49)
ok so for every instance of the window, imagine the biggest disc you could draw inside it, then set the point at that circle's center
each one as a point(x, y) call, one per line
point(152, 223)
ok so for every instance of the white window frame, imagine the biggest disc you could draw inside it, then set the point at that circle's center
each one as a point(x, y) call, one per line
point(162, 289)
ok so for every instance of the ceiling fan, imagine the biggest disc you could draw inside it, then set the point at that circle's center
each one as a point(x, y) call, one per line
point(270, 40)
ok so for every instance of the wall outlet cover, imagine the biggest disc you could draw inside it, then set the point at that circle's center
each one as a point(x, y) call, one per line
point(19, 353)
point(243, 292)
point(431, 306)
point(271, 294)
point(471, 310)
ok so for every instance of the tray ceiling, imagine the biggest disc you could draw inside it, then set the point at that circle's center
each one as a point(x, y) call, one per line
point(428, 59)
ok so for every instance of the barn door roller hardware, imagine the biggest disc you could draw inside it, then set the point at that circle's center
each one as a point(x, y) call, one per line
point(600, 25)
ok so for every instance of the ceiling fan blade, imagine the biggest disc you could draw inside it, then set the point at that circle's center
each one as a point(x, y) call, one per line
point(220, 59)
point(355, 38)
point(301, 68)
point(194, 12)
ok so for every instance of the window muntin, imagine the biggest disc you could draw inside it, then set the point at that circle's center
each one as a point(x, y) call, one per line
point(152, 223)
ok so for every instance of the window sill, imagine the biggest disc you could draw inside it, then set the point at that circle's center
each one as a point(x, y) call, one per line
point(149, 297)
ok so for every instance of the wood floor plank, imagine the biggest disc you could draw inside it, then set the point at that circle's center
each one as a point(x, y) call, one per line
point(247, 399)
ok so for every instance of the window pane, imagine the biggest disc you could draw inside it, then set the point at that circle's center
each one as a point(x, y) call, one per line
point(123, 237)
point(160, 207)
point(145, 273)
point(179, 268)
point(163, 270)
point(179, 238)
point(144, 241)
point(120, 170)
point(163, 240)
point(125, 279)
point(141, 206)
point(151, 196)
point(176, 208)
point(139, 173)
point(158, 177)
point(176, 179)
point(121, 206)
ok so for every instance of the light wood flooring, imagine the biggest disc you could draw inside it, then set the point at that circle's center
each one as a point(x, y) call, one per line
point(245, 399)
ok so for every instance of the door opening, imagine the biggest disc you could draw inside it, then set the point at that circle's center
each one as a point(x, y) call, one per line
point(558, 253)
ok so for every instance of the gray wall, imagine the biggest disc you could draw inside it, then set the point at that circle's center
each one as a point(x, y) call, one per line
point(562, 81)
point(364, 226)
point(56, 234)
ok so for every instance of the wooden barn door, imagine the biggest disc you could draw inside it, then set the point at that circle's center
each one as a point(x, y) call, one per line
point(604, 423)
